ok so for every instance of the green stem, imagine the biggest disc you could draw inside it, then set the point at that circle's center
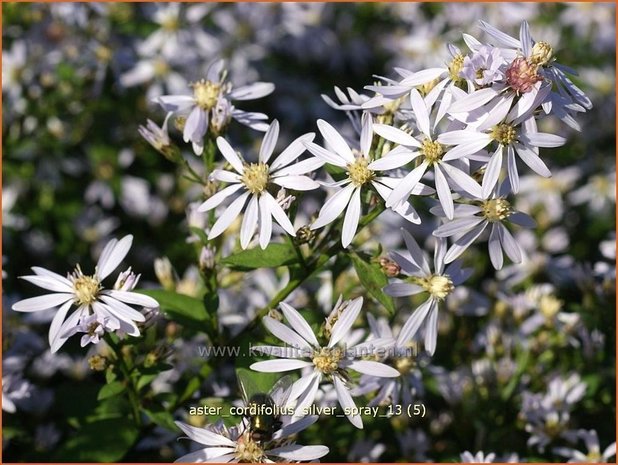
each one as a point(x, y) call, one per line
point(126, 373)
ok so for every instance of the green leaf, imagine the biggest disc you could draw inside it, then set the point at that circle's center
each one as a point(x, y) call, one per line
point(162, 418)
point(373, 279)
point(255, 382)
point(199, 232)
point(188, 311)
point(271, 257)
point(110, 390)
point(117, 435)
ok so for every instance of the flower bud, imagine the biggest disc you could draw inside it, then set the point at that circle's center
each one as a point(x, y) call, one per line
point(390, 267)
point(522, 76)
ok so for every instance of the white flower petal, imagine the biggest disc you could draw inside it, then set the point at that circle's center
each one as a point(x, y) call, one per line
point(467, 149)
point(277, 366)
point(49, 283)
point(462, 179)
point(287, 335)
point(121, 310)
point(532, 160)
point(58, 320)
point(422, 77)
point(366, 133)
point(296, 427)
point(71, 322)
point(230, 154)
point(302, 167)
point(219, 197)
point(492, 172)
point(292, 152)
point(225, 176)
point(495, 251)
point(326, 155)
point(352, 217)
point(511, 167)
point(203, 436)
point(372, 368)
point(266, 222)
point(420, 111)
point(402, 289)
point(252, 91)
point(43, 302)
point(176, 102)
point(461, 244)
point(407, 184)
point(249, 222)
point(298, 183)
point(392, 161)
point(416, 253)
point(113, 253)
point(278, 214)
point(228, 216)
point(269, 142)
point(279, 351)
point(414, 322)
point(509, 244)
point(457, 226)
point(395, 135)
point(298, 323)
point(132, 298)
point(44, 272)
point(431, 330)
point(296, 452)
point(333, 207)
point(543, 139)
point(346, 402)
point(345, 321)
point(444, 192)
point(334, 140)
point(215, 454)
point(473, 100)
point(305, 390)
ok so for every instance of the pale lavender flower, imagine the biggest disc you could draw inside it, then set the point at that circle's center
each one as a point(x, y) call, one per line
point(438, 284)
point(593, 455)
point(331, 361)
point(87, 293)
point(479, 457)
point(94, 326)
point(254, 181)
point(484, 67)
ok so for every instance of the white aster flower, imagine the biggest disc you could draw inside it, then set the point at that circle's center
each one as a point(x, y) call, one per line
point(254, 180)
point(594, 455)
point(330, 361)
point(89, 296)
point(235, 444)
point(94, 326)
point(207, 95)
point(361, 173)
point(479, 457)
point(439, 284)
point(470, 220)
point(432, 153)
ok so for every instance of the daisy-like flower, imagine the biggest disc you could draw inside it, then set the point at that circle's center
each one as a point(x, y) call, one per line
point(479, 457)
point(594, 455)
point(159, 138)
point(439, 284)
point(514, 132)
point(471, 220)
point(432, 153)
point(484, 67)
point(362, 172)
point(207, 95)
point(254, 180)
point(235, 444)
point(94, 326)
point(331, 361)
point(87, 293)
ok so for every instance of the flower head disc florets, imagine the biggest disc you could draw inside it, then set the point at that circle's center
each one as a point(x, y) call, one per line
point(439, 286)
point(358, 172)
point(327, 359)
point(496, 209)
point(455, 67)
point(504, 133)
point(404, 365)
point(432, 151)
point(521, 75)
point(206, 93)
point(86, 287)
point(255, 177)
point(542, 53)
point(247, 450)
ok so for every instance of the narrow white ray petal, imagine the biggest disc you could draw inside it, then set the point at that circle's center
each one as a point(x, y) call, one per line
point(225, 176)
point(122, 310)
point(292, 152)
point(457, 226)
point(278, 214)
point(43, 302)
point(335, 141)
point(280, 365)
point(176, 102)
point(252, 91)
point(110, 261)
point(406, 264)
point(266, 222)
point(422, 77)
point(495, 251)
point(301, 386)
point(416, 253)
point(461, 244)
point(497, 113)
point(391, 92)
point(462, 179)
point(230, 154)
point(431, 330)
point(420, 111)
point(279, 351)
point(49, 283)
point(402, 289)
point(501, 38)
point(269, 142)
point(326, 155)
point(466, 149)
point(216, 454)
point(298, 183)
point(352, 217)
point(286, 334)
point(522, 220)
point(298, 323)
point(525, 39)
point(333, 207)
point(345, 321)
point(473, 100)
point(396, 160)
point(54, 328)
point(306, 397)
point(414, 322)
point(219, 197)
point(462, 136)
point(296, 452)
point(228, 216)
point(511, 167)
point(439, 252)
point(203, 436)
point(405, 209)
point(444, 192)
point(543, 139)
point(70, 322)
point(346, 402)
point(492, 172)
point(532, 160)
point(407, 184)
point(302, 167)
point(395, 135)
point(509, 244)
point(296, 427)
point(195, 125)
point(132, 298)
point(369, 367)
point(249, 222)
point(44, 272)
point(366, 133)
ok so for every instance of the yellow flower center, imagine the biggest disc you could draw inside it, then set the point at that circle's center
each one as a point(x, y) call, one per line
point(549, 306)
point(432, 151)
point(439, 286)
point(86, 288)
point(255, 177)
point(247, 450)
point(594, 456)
point(542, 53)
point(496, 209)
point(358, 172)
point(455, 67)
point(206, 93)
point(404, 364)
point(504, 133)
point(161, 68)
point(170, 23)
point(327, 359)
point(92, 328)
